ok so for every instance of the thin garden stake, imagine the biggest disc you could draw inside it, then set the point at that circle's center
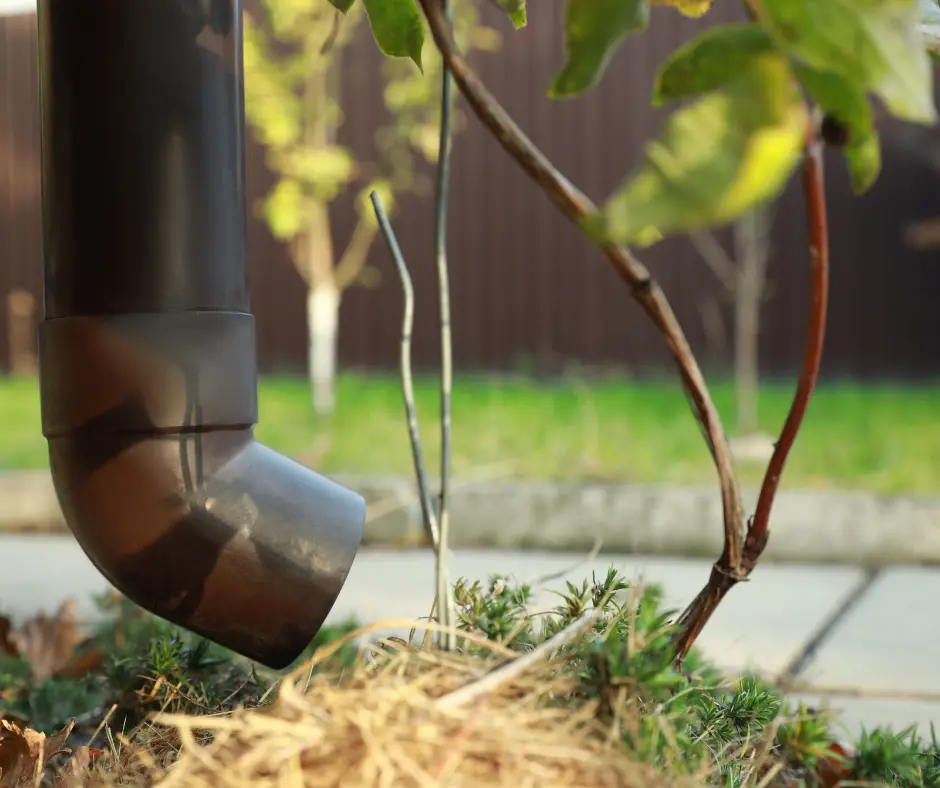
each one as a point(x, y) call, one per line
point(447, 612)
point(407, 381)
point(447, 637)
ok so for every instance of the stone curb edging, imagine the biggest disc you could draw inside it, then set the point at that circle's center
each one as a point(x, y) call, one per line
point(807, 526)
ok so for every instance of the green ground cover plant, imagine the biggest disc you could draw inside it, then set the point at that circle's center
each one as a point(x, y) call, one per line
point(688, 722)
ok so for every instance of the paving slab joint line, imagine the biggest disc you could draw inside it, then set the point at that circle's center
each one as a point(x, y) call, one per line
point(811, 647)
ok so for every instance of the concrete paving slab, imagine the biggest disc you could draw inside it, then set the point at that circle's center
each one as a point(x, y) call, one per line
point(760, 625)
point(856, 714)
point(890, 640)
point(40, 571)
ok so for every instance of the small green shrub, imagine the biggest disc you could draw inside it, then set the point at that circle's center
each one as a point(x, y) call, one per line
point(690, 721)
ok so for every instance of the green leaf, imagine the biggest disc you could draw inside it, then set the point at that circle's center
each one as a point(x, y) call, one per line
point(727, 152)
point(397, 28)
point(710, 61)
point(875, 44)
point(342, 5)
point(837, 96)
point(593, 29)
point(863, 158)
point(842, 100)
point(516, 11)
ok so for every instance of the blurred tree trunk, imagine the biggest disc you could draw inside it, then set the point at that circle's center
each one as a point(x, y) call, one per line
point(752, 250)
point(743, 275)
point(323, 302)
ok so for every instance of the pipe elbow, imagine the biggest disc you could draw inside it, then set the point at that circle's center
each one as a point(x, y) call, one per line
point(149, 420)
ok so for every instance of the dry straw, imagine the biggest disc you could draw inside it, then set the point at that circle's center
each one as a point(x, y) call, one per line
point(385, 723)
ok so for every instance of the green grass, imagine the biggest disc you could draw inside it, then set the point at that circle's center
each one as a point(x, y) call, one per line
point(883, 438)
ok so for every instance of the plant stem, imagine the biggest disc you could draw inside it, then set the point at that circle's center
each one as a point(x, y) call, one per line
point(576, 207)
point(448, 615)
point(815, 196)
point(407, 380)
point(726, 575)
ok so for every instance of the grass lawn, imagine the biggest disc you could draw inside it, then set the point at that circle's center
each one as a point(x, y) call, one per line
point(884, 438)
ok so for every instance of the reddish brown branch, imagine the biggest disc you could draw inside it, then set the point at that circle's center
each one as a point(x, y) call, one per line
point(726, 575)
point(815, 195)
point(576, 206)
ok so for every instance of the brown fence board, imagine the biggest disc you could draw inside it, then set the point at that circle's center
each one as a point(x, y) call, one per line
point(527, 289)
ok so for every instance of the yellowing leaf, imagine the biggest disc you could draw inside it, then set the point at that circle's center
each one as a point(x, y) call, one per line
point(325, 171)
point(593, 29)
point(283, 209)
point(727, 152)
point(272, 105)
point(691, 8)
point(289, 17)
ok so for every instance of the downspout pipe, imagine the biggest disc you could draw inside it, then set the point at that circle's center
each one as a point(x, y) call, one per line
point(147, 350)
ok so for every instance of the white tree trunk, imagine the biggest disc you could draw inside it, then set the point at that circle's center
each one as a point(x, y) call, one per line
point(752, 251)
point(322, 334)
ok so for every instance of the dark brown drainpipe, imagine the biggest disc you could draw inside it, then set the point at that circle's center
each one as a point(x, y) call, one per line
point(147, 351)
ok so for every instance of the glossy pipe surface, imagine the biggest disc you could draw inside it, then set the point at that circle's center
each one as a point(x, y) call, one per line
point(143, 156)
point(147, 353)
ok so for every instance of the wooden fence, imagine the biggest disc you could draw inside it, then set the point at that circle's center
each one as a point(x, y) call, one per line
point(527, 289)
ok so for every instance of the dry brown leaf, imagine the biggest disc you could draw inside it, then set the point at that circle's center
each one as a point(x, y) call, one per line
point(25, 752)
point(55, 743)
point(75, 772)
point(48, 643)
point(86, 662)
point(15, 757)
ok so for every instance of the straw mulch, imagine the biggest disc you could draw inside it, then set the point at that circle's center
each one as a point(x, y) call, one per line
point(384, 724)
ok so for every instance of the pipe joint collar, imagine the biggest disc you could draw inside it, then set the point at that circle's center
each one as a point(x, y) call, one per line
point(165, 371)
